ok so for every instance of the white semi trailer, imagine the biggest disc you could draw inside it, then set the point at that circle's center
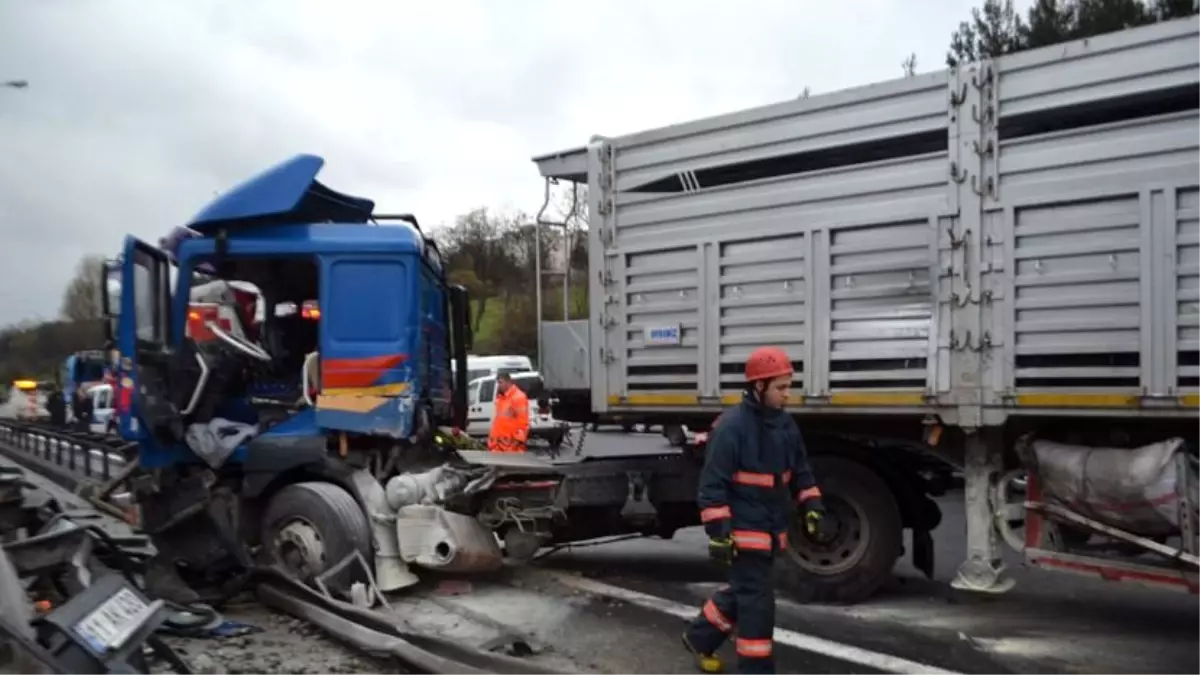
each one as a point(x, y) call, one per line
point(960, 263)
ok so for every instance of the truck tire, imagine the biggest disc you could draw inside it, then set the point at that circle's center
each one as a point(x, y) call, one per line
point(869, 537)
point(309, 527)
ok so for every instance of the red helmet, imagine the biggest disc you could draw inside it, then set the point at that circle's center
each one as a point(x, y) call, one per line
point(766, 363)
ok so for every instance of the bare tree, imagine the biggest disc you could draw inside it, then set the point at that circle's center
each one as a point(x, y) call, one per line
point(81, 300)
point(910, 65)
point(578, 248)
point(477, 256)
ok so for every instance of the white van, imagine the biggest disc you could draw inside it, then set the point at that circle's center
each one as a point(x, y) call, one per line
point(481, 408)
point(103, 411)
point(485, 366)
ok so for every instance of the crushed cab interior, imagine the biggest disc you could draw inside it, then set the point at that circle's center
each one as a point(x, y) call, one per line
point(249, 354)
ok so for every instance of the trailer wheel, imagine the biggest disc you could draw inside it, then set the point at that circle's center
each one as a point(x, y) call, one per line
point(867, 538)
point(310, 527)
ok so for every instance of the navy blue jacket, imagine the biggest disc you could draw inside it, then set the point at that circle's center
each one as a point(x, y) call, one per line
point(756, 469)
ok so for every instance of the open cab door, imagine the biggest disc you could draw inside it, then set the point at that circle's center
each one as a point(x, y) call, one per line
point(110, 304)
point(143, 339)
point(460, 345)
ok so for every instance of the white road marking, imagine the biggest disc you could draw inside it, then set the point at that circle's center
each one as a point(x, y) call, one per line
point(808, 643)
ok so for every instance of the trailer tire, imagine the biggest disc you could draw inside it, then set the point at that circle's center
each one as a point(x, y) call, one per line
point(309, 527)
point(869, 539)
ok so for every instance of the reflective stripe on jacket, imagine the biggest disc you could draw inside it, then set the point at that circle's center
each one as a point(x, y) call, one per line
point(510, 426)
point(756, 469)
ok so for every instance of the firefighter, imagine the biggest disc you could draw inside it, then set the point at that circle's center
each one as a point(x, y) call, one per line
point(755, 474)
point(510, 426)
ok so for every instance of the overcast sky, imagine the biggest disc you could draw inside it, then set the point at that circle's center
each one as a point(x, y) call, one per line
point(138, 112)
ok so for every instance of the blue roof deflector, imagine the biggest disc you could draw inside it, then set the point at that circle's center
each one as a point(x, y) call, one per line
point(287, 193)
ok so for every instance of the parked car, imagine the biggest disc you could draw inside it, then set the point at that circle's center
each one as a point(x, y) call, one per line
point(103, 418)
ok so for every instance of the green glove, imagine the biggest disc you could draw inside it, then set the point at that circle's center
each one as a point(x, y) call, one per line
point(815, 525)
point(721, 551)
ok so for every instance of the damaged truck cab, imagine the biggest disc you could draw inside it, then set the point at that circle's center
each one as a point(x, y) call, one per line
point(273, 442)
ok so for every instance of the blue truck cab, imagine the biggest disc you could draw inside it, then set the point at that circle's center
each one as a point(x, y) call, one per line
point(284, 368)
point(376, 364)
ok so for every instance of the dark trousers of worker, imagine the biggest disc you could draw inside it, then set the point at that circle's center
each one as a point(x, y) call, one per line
point(746, 605)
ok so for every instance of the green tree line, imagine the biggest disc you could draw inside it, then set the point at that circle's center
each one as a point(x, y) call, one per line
point(996, 28)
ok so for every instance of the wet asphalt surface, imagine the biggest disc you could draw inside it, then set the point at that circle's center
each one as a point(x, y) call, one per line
point(1050, 622)
point(548, 613)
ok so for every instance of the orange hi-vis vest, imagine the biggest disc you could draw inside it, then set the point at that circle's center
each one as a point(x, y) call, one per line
point(510, 426)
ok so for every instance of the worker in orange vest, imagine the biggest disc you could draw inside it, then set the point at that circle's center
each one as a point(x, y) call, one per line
point(510, 426)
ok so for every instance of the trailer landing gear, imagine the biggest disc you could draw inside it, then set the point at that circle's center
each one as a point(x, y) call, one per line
point(983, 571)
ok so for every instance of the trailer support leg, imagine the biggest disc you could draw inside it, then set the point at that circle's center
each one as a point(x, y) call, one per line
point(983, 570)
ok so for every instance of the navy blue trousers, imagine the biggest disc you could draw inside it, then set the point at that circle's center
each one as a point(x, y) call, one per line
point(747, 606)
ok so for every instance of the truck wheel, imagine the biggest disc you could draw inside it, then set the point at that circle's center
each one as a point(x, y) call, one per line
point(310, 527)
point(867, 538)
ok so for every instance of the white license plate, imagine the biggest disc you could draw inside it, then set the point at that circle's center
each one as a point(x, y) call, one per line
point(111, 624)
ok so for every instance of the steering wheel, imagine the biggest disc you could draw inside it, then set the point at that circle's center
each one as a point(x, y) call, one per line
point(241, 345)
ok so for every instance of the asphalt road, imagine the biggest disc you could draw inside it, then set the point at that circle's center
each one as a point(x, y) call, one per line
point(620, 607)
point(1050, 622)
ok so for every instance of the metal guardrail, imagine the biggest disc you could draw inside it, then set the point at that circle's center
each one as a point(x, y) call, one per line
point(88, 455)
point(97, 466)
point(94, 466)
